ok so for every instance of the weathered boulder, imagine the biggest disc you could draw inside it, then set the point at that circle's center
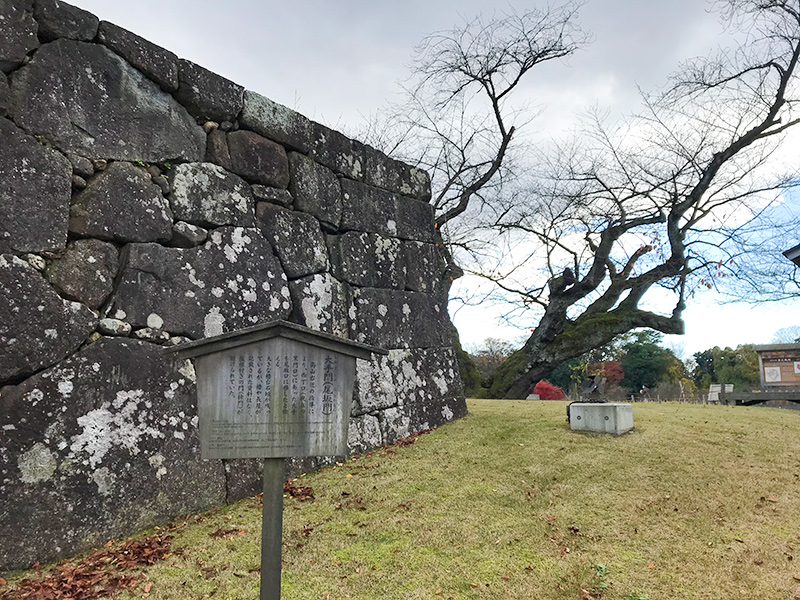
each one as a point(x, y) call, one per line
point(158, 64)
point(337, 152)
point(206, 95)
point(395, 424)
point(428, 390)
point(205, 194)
point(297, 239)
point(81, 166)
point(368, 260)
point(414, 220)
point(34, 195)
point(364, 434)
point(19, 33)
point(367, 208)
point(122, 204)
point(58, 19)
point(262, 193)
point(375, 387)
point(395, 319)
point(276, 122)
point(315, 189)
point(114, 327)
point(186, 235)
point(103, 445)
point(424, 374)
point(5, 95)
point(85, 271)
point(258, 159)
point(424, 267)
point(230, 282)
point(217, 149)
point(37, 327)
point(104, 109)
point(396, 176)
point(428, 387)
point(320, 302)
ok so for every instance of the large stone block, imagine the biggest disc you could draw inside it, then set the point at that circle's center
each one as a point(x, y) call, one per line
point(395, 319)
point(85, 271)
point(158, 64)
point(337, 152)
point(428, 387)
point(258, 159)
point(396, 176)
point(415, 220)
point(276, 122)
point(296, 238)
point(230, 282)
point(395, 424)
point(368, 260)
point(425, 267)
point(122, 204)
point(206, 95)
point(58, 19)
point(375, 385)
point(5, 95)
point(37, 327)
point(18, 33)
point(105, 109)
point(367, 208)
point(101, 446)
point(34, 193)
point(320, 302)
point(425, 374)
point(364, 434)
point(217, 151)
point(315, 189)
point(205, 194)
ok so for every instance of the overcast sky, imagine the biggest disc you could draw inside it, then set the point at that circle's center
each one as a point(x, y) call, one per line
point(338, 61)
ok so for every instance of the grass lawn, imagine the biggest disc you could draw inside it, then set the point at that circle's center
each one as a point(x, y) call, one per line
point(695, 502)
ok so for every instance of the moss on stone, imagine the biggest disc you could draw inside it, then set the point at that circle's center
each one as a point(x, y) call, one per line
point(507, 373)
point(470, 375)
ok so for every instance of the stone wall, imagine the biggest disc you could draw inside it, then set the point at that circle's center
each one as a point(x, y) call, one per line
point(145, 200)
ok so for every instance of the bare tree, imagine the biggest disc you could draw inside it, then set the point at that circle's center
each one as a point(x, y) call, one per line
point(669, 199)
point(673, 198)
point(458, 119)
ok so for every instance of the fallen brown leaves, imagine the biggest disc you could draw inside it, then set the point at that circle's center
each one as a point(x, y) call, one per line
point(99, 575)
point(221, 534)
point(300, 492)
point(411, 439)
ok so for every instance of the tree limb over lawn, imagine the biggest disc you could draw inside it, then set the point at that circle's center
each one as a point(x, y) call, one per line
point(670, 199)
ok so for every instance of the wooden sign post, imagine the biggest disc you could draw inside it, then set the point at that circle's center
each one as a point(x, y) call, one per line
point(274, 391)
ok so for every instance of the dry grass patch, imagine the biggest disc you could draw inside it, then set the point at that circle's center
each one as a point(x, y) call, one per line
point(696, 502)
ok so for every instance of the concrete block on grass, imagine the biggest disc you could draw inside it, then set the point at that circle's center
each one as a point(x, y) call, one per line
point(602, 417)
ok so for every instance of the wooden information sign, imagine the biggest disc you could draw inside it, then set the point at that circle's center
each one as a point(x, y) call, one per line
point(274, 391)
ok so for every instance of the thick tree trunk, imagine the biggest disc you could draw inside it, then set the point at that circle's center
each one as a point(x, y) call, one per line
point(556, 340)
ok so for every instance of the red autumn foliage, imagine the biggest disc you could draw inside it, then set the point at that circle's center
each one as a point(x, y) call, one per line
point(547, 391)
point(610, 369)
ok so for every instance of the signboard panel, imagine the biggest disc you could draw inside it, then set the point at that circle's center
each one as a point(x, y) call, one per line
point(274, 398)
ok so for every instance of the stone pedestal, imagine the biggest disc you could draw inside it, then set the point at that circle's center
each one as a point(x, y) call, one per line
point(602, 417)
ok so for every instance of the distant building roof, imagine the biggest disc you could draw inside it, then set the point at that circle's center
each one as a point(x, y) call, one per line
point(774, 347)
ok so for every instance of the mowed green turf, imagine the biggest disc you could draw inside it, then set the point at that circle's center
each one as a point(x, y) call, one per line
point(696, 502)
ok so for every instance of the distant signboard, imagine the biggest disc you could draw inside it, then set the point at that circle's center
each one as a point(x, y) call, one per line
point(779, 365)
